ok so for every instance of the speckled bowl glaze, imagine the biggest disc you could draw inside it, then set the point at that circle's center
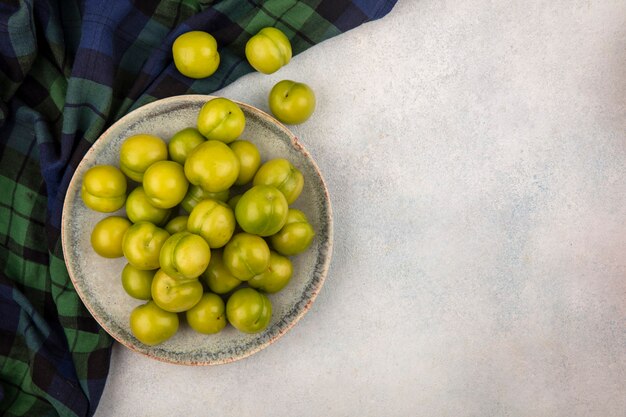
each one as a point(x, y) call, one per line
point(98, 280)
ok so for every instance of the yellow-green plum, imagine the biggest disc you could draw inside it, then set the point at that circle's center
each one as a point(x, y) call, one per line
point(208, 316)
point(295, 236)
point(276, 277)
point(152, 325)
point(165, 184)
point(183, 142)
point(139, 208)
point(137, 282)
point(142, 245)
point(184, 255)
point(177, 224)
point(195, 54)
point(138, 152)
point(218, 277)
point(221, 119)
point(196, 194)
point(248, 310)
point(281, 174)
point(107, 236)
point(213, 166)
point(175, 295)
point(268, 50)
point(292, 102)
point(214, 221)
point(249, 160)
point(262, 210)
point(246, 255)
point(104, 188)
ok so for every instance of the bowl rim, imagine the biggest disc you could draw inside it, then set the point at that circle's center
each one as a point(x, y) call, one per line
point(314, 291)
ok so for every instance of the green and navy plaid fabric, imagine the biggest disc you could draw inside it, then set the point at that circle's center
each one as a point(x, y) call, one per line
point(68, 69)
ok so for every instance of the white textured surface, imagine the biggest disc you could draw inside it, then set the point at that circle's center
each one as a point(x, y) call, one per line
point(476, 156)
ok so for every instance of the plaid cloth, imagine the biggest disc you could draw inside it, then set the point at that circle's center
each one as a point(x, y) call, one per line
point(68, 69)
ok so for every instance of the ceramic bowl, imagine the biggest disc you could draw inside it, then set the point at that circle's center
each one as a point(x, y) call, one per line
point(98, 280)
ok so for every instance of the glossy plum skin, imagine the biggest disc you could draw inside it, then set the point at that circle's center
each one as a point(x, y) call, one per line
point(138, 152)
point(246, 255)
point(213, 166)
point(276, 277)
point(248, 310)
point(177, 224)
point(137, 283)
point(295, 236)
point(221, 119)
point(249, 160)
point(208, 316)
point(214, 221)
point(175, 295)
point(104, 188)
point(268, 50)
point(183, 142)
point(142, 245)
point(165, 184)
point(196, 194)
point(292, 102)
point(218, 277)
point(195, 54)
point(139, 208)
point(262, 210)
point(281, 174)
point(152, 325)
point(184, 255)
point(107, 236)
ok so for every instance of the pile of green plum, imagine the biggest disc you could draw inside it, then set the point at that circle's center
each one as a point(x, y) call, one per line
point(191, 246)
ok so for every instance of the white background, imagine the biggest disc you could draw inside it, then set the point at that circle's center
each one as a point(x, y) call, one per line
point(475, 153)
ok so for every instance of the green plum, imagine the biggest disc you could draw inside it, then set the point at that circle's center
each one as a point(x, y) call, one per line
point(183, 142)
point(138, 152)
point(248, 310)
point(175, 295)
point(268, 50)
point(281, 174)
point(213, 166)
point(142, 245)
point(276, 277)
point(137, 282)
point(184, 255)
point(165, 184)
point(196, 194)
point(249, 160)
point(195, 54)
point(246, 255)
point(221, 119)
point(152, 325)
point(214, 221)
point(292, 102)
point(208, 316)
point(177, 224)
point(139, 208)
point(295, 236)
point(262, 210)
point(104, 188)
point(107, 236)
point(218, 277)
point(232, 202)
